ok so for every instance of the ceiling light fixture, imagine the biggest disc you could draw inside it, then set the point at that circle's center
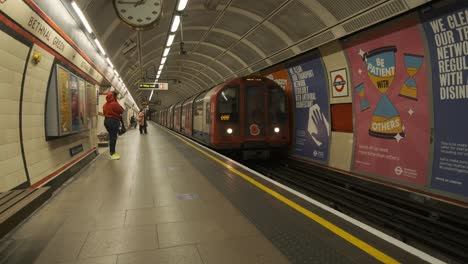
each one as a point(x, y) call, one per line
point(99, 46)
point(163, 60)
point(175, 24)
point(170, 40)
point(82, 17)
point(152, 92)
point(182, 5)
point(161, 66)
point(110, 63)
point(166, 52)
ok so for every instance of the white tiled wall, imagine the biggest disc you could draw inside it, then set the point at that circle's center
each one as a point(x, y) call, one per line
point(43, 157)
point(13, 55)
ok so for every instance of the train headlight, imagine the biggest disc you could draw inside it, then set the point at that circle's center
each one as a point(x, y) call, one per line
point(277, 130)
point(229, 131)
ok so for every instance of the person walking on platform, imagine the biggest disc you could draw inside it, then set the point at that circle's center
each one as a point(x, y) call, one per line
point(142, 121)
point(112, 112)
point(133, 121)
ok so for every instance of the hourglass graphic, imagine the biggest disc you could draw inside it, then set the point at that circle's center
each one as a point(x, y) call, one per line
point(363, 101)
point(385, 121)
point(412, 64)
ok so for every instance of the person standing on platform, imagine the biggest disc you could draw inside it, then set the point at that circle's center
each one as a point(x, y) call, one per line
point(142, 121)
point(112, 113)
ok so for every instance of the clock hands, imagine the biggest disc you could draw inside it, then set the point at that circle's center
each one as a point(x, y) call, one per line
point(137, 3)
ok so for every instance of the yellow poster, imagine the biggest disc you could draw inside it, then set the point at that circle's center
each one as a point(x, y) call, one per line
point(63, 90)
point(83, 117)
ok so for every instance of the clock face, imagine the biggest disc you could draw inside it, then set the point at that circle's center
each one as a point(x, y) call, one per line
point(139, 14)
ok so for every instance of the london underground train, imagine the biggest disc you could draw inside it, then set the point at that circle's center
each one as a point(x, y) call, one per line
point(246, 115)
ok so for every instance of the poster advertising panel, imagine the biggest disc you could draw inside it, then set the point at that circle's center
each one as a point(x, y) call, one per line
point(63, 77)
point(82, 100)
point(75, 103)
point(311, 109)
point(447, 37)
point(391, 102)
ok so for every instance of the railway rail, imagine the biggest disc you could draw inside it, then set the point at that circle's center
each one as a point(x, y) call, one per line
point(421, 221)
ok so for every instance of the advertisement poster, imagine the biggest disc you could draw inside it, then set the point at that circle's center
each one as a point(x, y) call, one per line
point(311, 109)
point(75, 103)
point(391, 107)
point(281, 78)
point(90, 104)
point(82, 101)
point(64, 100)
point(447, 37)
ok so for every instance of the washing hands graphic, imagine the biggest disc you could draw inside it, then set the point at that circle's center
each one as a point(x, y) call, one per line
point(319, 128)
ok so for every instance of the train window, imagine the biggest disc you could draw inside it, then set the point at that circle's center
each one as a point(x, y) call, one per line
point(208, 113)
point(277, 105)
point(198, 105)
point(228, 102)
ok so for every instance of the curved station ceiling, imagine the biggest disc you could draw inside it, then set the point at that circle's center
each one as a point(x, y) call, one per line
point(226, 38)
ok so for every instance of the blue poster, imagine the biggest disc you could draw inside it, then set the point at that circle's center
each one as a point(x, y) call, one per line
point(311, 109)
point(446, 31)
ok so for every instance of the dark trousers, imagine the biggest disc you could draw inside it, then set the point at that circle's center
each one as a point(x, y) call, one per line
point(143, 129)
point(112, 125)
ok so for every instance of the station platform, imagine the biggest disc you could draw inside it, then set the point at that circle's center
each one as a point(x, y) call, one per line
point(170, 200)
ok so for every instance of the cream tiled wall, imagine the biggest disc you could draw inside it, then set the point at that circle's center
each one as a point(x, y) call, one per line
point(43, 157)
point(341, 147)
point(13, 55)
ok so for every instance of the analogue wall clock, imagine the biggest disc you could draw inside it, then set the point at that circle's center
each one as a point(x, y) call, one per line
point(139, 14)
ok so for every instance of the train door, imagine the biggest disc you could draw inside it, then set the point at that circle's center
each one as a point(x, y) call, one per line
point(198, 115)
point(255, 115)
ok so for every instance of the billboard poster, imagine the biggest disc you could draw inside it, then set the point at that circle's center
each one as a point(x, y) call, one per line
point(391, 107)
point(311, 109)
point(64, 100)
point(82, 100)
point(446, 31)
point(75, 103)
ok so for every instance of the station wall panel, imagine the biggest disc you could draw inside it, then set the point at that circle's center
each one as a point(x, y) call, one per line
point(43, 157)
point(13, 55)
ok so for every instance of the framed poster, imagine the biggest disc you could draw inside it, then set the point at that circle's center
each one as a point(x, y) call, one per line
point(63, 77)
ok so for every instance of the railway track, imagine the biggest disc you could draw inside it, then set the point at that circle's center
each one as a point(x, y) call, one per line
point(428, 224)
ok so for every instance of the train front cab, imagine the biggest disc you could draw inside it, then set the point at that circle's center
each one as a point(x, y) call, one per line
point(261, 127)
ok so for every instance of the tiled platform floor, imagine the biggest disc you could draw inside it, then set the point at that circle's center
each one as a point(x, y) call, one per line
point(149, 207)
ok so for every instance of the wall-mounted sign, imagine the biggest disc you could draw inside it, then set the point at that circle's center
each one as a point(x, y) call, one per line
point(76, 149)
point(154, 86)
point(225, 117)
point(339, 83)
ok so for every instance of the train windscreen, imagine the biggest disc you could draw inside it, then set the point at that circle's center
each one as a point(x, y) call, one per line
point(255, 109)
point(228, 107)
point(277, 103)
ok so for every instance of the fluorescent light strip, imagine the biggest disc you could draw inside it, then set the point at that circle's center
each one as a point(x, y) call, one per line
point(161, 66)
point(151, 96)
point(82, 17)
point(163, 60)
point(99, 46)
point(175, 23)
point(170, 40)
point(166, 52)
point(110, 63)
point(182, 5)
point(159, 72)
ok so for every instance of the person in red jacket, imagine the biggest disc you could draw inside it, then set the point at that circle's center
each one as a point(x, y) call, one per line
point(112, 112)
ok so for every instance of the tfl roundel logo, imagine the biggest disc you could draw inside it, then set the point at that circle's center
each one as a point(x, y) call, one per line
point(254, 130)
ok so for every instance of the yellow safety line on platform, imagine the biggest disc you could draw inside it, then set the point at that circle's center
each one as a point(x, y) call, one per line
point(335, 229)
